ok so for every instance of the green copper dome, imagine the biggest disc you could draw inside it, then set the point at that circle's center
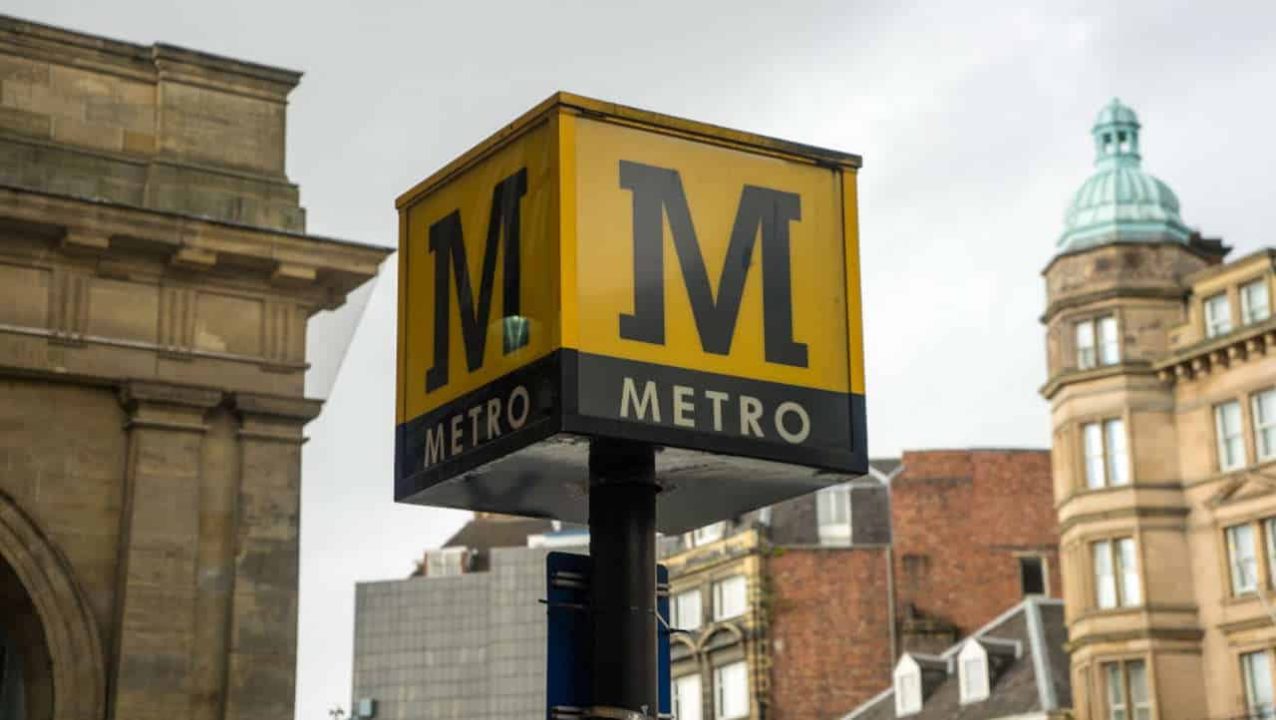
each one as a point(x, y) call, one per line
point(1120, 202)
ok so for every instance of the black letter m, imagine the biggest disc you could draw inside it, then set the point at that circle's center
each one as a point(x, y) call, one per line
point(447, 243)
point(657, 193)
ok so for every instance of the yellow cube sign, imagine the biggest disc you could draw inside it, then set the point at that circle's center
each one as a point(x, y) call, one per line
point(599, 271)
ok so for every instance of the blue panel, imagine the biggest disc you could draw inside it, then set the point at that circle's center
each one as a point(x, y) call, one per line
point(568, 671)
point(568, 681)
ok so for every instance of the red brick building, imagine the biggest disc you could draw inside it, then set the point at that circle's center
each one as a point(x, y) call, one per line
point(966, 525)
point(923, 551)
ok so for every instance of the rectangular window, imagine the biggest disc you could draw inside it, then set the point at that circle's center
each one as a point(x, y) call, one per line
point(1032, 575)
point(1265, 424)
point(1097, 342)
point(1128, 566)
point(731, 691)
point(1136, 674)
point(730, 597)
point(1092, 434)
point(1257, 672)
point(973, 680)
point(1085, 345)
point(708, 534)
point(687, 698)
point(1231, 441)
point(1116, 573)
point(1117, 708)
point(1242, 559)
point(1107, 458)
point(908, 693)
point(1109, 346)
point(1269, 530)
point(687, 611)
point(1104, 576)
point(1218, 315)
point(833, 513)
point(1126, 690)
point(1118, 461)
point(1255, 305)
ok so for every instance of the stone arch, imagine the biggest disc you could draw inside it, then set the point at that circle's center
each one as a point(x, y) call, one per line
point(70, 631)
point(720, 635)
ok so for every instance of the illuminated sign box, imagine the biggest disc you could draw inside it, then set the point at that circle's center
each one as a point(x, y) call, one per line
point(593, 270)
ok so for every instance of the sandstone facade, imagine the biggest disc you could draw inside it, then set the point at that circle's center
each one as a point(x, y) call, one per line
point(155, 283)
point(1190, 611)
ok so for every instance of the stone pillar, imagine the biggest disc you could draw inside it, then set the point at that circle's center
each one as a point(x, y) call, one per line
point(263, 622)
point(158, 549)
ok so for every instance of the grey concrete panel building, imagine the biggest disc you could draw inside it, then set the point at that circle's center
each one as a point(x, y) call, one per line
point(468, 646)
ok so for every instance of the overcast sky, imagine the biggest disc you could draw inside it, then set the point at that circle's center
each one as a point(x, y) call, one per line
point(972, 120)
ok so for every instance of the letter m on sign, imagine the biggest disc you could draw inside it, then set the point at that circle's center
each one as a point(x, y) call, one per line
point(658, 194)
point(447, 244)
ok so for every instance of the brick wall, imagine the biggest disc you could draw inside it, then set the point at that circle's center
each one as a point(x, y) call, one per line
point(959, 518)
point(830, 631)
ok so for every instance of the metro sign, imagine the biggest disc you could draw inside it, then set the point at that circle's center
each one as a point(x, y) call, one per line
point(599, 271)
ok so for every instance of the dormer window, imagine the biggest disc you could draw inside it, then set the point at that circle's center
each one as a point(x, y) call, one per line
point(1218, 315)
point(833, 512)
point(972, 670)
point(908, 687)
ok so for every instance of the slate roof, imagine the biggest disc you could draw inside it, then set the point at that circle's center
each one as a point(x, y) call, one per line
point(487, 532)
point(1035, 682)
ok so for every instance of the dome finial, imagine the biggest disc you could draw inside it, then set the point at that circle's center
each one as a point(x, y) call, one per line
point(1120, 202)
point(1116, 135)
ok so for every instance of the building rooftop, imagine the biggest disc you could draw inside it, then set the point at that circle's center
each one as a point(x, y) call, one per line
point(1028, 671)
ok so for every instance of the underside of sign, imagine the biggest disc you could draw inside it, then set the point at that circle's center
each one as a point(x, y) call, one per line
point(599, 271)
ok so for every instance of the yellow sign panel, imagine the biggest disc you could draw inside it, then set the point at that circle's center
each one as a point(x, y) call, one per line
point(717, 259)
point(594, 270)
point(480, 262)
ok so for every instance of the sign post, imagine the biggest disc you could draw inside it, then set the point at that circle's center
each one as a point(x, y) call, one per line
point(622, 602)
point(632, 320)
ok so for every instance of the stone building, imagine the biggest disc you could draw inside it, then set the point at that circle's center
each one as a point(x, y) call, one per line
point(798, 612)
point(155, 283)
point(1162, 390)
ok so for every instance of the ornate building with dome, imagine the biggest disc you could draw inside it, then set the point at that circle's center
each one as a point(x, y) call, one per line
point(1162, 391)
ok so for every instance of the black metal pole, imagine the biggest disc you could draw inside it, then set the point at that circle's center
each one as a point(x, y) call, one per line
point(622, 543)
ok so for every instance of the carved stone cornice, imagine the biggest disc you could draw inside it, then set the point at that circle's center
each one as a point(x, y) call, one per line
point(276, 406)
point(273, 418)
point(167, 406)
point(323, 267)
point(1135, 511)
point(1185, 635)
point(1220, 353)
point(134, 393)
point(1081, 299)
point(1069, 377)
point(1257, 622)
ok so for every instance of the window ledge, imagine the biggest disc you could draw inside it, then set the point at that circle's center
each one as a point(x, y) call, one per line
point(1099, 613)
point(1074, 375)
